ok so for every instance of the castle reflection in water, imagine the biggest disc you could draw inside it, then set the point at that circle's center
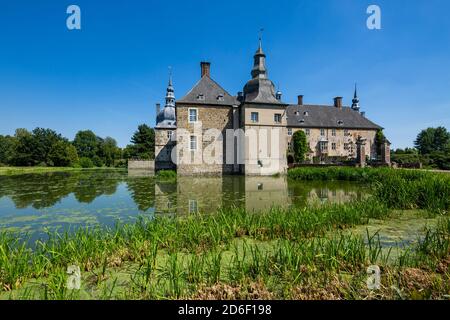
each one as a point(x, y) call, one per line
point(208, 194)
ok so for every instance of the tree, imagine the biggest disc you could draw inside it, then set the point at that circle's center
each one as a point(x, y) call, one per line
point(379, 140)
point(7, 145)
point(42, 143)
point(86, 143)
point(63, 154)
point(433, 140)
point(300, 145)
point(143, 143)
point(23, 149)
point(109, 151)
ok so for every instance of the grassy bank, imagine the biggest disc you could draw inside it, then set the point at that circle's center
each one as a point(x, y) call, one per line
point(9, 171)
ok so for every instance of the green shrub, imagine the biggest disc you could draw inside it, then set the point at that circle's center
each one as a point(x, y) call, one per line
point(85, 163)
point(166, 175)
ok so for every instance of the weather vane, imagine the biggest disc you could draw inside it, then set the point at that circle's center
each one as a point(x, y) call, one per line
point(260, 34)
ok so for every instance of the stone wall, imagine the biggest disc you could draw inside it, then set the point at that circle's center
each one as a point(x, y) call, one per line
point(163, 149)
point(209, 158)
point(141, 165)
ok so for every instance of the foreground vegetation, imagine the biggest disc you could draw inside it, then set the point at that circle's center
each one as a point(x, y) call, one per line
point(234, 254)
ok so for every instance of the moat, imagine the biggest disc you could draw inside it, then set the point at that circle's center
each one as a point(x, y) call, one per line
point(34, 203)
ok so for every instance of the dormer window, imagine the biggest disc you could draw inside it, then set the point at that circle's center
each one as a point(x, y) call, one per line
point(220, 97)
point(340, 122)
point(301, 120)
point(306, 113)
point(201, 97)
point(297, 113)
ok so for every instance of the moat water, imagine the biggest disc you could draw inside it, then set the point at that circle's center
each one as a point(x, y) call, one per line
point(36, 203)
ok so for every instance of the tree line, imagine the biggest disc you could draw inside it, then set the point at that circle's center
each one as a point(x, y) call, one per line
point(431, 148)
point(46, 147)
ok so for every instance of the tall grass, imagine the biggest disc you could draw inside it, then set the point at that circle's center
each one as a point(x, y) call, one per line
point(89, 247)
point(397, 189)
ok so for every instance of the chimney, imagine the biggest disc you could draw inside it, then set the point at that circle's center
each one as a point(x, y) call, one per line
point(300, 100)
point(205, 66)
point(158, 108)
point(363, 113)
point(338, 102)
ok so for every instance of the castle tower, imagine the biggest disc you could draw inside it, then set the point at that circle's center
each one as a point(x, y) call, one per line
point(264, 118)
point(166, 125)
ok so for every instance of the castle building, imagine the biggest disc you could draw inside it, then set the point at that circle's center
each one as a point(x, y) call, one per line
point(210, 131)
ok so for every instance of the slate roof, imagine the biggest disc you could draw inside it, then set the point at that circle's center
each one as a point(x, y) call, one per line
point(211, 91)
point(260, 91)
point(327, 117)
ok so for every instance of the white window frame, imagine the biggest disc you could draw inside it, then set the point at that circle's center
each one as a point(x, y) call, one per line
point(190, 143)
point(333, 132)
point(308, 131)
point(322, 132)
point(189, 115)
point(169, 134)
point(257, 117)
point(289, 131)
point(277, 115)
point(333, 146)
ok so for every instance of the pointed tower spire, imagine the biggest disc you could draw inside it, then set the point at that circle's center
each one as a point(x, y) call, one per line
point(170, 93)
point(355, 101)
point(260, 89)
point(259, 62)
point(170, 76)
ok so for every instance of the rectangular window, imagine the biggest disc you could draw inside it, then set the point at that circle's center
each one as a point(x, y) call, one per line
point(277, 118)
point(346, 132)
point(289, 146)
point(308, 132)
point(289, 131)
point(193, 144)
point(345, 146)
point(169, 134)
point(333, 146)
point(323, 146)
point(322, 132)
point(333, 132)
point(193, 117)
point(255, 117)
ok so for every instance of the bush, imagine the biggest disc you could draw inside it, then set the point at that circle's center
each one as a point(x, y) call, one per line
point(97, 161)
point(166, 175)
point(85, 163)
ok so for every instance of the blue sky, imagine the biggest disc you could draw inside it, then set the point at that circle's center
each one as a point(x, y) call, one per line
point(108, 76)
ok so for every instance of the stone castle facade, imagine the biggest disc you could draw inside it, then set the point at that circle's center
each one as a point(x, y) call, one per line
point(209, 131)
